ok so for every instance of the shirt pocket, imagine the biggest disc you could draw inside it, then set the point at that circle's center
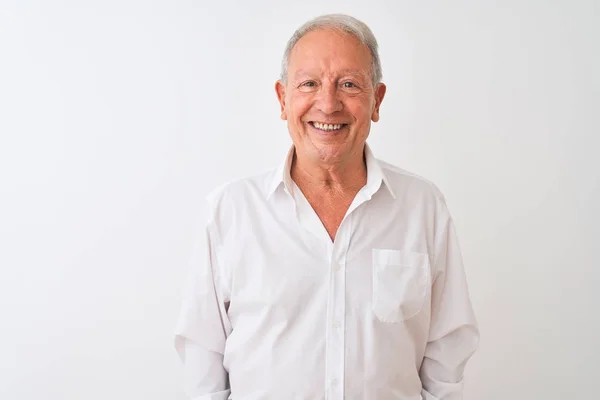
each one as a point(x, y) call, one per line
point(400, 284)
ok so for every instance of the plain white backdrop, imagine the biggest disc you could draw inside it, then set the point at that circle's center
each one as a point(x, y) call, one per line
point(117, 117)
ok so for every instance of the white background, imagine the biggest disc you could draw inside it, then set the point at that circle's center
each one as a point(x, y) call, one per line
point(117, 117)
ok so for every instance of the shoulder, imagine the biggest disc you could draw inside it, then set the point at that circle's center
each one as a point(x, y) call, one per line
point(405, 183)
point(240, 188)
point(419, 196)
point(238, 194)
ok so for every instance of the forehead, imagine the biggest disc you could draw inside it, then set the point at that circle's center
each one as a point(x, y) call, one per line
point(329, 50)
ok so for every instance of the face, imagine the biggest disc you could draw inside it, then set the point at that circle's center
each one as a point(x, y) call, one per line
point(329, 99)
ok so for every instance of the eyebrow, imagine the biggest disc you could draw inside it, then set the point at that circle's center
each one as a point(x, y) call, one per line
point(349, 71)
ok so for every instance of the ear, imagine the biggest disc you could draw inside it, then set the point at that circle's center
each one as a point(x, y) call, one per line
point(280, 90)
point(379, 95)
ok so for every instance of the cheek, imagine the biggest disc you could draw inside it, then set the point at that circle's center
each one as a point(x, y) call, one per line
point(361, 111)
point(298, 106)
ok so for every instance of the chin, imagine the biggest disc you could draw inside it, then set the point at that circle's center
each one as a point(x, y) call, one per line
point(331, 153)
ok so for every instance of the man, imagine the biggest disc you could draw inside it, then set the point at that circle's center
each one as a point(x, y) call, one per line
point(335, 276)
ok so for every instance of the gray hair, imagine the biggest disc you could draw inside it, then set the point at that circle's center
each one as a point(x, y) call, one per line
point(344, 23)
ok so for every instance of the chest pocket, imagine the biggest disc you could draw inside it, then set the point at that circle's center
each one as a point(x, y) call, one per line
point(401, 282)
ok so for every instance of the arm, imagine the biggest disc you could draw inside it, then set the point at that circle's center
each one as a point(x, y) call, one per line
point(203, 327)
point(453, 333)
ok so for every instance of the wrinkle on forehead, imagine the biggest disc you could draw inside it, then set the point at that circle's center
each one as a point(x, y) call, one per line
point(327, 54)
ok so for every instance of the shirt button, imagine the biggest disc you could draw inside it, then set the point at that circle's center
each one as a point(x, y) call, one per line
point(338, 266)
point(336, 324)
point(334, 382)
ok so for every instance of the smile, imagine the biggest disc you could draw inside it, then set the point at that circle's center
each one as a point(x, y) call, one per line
point(327, 127)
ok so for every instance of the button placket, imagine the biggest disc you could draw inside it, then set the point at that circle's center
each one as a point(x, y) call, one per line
point(337, 313)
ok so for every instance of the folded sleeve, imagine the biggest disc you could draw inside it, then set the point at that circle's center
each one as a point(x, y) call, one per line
point(454, 334)
point(203, 326)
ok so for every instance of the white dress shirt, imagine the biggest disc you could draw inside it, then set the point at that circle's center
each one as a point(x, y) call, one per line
point(276, 310)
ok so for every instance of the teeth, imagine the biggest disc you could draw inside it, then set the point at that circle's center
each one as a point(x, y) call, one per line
point(327, 127)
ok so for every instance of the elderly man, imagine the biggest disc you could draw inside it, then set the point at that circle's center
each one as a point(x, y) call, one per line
point(336, 275)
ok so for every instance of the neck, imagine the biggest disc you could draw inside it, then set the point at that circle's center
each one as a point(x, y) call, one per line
point(348, 175)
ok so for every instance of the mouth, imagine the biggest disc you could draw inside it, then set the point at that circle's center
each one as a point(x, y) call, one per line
point(326, 127)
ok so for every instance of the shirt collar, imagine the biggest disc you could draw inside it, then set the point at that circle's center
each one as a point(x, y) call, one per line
point(375, 175)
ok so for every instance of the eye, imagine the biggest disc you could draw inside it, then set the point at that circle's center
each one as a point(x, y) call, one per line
point(349, 85)
point(309, 84)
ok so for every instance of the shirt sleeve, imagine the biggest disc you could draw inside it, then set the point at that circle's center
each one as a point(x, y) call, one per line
point(203, 326)
point(453, 335)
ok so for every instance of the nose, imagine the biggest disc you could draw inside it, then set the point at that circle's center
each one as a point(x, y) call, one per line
point(328, 100)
